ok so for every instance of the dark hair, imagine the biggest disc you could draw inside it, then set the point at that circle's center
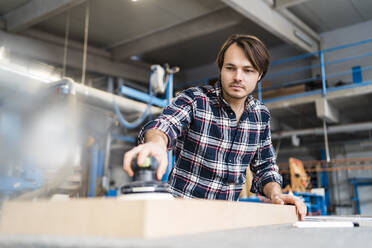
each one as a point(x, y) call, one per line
point(254, 49)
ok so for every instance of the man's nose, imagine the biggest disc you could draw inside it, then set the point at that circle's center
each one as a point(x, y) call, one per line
point(238, 75)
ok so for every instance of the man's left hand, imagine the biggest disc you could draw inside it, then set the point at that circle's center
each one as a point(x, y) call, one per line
point(292, 200)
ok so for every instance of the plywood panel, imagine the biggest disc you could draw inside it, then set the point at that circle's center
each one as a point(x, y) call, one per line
point(137, 218)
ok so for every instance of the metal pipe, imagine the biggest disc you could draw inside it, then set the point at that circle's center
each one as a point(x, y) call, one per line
point(110, 85)
point(324, 85)
point(259, 90)
point(142, 96)
point(105, 100)
point(328, 158)
point(106, 164)
point(85, 50)
point(169, 95)
point(169, 91)
point(99, 98)
point(347, 128)
point(93, 171)
point(129, 139)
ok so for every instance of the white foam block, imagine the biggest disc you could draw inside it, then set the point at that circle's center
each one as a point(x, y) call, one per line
point(323, 224)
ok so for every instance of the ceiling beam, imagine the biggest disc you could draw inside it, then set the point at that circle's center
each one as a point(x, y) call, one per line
point(279, 4)
point(270, 19)
point(206, 24)
point(35, 12)
point(53, 54)
point(299, 23)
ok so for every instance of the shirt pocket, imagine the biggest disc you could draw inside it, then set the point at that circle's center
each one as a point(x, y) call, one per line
point(211, 142)
point(208, 153)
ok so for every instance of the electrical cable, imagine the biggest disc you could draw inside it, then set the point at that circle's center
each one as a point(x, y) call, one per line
point(136, 123)
point(87, 15)
point(67, 31)
point(278, 146)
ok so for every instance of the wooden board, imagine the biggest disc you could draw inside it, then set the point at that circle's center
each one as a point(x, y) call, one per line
point(137, 218)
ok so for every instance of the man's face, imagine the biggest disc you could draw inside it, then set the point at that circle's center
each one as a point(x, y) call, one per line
point(238, 77)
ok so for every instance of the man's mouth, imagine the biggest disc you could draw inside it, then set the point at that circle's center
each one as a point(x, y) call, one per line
point(237, 86)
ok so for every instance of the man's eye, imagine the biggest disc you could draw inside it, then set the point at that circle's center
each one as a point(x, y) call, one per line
point(229, 68)
point(248, 71)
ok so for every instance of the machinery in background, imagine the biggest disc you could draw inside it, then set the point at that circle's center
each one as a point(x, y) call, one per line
point(161, 83)
point(300, 181)
point(58, 139)
point(300, 185)
point(17, 179)
point(357, 182)
point(39, 138)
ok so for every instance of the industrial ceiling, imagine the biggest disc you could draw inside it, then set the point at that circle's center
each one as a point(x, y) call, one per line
point(183, 33)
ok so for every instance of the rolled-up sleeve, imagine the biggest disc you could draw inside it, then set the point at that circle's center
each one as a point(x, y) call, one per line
point(174, 119)
point(263, 166)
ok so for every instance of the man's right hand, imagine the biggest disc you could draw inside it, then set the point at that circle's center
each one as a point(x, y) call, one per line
point(156, 146)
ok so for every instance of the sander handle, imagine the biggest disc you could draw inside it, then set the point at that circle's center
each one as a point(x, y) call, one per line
point(145, 171)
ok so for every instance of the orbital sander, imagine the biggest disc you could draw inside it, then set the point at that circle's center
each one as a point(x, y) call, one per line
point(144, 184)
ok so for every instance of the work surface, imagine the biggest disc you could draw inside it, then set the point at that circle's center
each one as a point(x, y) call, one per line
point(266, 236)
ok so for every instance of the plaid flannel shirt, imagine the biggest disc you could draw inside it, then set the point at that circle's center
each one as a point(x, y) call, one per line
point(212, 150)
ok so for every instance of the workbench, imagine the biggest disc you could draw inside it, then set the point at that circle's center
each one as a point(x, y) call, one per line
point(111, 223)
point(274, 236)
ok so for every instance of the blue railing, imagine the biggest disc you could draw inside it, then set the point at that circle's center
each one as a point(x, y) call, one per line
point(282, 75)
point(322, 77)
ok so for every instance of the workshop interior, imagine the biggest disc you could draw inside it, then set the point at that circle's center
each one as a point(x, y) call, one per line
point(80, 78)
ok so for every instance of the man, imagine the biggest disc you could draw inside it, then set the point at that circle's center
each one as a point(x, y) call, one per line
point(217, 131)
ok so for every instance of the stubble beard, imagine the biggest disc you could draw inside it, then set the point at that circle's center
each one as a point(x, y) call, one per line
point(228, 96)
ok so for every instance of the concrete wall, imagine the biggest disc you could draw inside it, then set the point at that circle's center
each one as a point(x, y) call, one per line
point(342, 36)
